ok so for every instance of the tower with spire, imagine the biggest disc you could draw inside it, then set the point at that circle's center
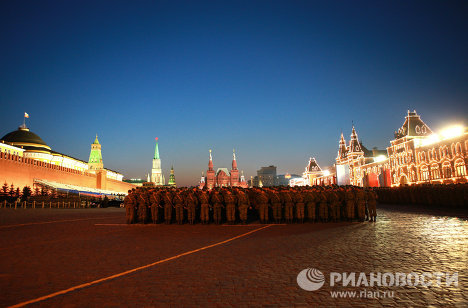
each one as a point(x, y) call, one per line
point(95, 156)
point(234, 178)
point(210, 174)
point(172, 181)
point(354, 149)
point(156, 172)
point(342, 149)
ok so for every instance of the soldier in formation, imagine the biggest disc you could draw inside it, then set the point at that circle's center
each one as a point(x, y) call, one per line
point(204, 200)
point(441, 196)
point(191, 203)
point(217, 202)
point(371, 205)
point(243, 204)
point(233, 204)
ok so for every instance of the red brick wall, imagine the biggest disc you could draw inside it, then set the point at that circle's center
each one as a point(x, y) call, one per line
point(22, 171)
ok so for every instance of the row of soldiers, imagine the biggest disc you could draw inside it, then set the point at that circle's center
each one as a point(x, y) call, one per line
point(232, 204)
point(431, 195)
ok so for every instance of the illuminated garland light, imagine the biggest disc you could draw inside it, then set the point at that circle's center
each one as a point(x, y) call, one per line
point(452, 132)
point(380, 158)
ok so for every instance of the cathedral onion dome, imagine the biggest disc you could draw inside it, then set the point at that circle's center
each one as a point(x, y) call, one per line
point(26, 139)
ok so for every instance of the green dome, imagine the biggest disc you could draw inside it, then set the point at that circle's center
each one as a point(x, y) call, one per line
point(25, 138)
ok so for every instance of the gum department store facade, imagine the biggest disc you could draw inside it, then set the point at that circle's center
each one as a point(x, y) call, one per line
point(415, 156)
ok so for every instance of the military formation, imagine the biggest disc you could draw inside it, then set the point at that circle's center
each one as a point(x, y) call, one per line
point(430, 195)
point(240, 205)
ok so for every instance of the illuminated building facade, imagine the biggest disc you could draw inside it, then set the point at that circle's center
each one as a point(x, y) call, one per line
point(356, 165)
point(222, 177)
point(10, 149)
point(314, 175)
point(27, 144)
point(26, 160)
point(416, 155)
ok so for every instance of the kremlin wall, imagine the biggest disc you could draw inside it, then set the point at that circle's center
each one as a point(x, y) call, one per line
point(26, 160)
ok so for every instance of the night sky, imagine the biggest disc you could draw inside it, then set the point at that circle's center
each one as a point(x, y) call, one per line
point(276, 80)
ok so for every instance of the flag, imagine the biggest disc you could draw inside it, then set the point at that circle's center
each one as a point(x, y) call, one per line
point(26, 115)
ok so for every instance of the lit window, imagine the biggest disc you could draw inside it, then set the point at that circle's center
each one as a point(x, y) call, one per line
point(435, 172)
point(447, 171)
point(460, 169)
point(424, 173)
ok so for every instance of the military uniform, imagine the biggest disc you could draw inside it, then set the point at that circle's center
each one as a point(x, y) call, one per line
point(167, 207)
point(178, 201)
point(372, 205)
point(243, 205)
point(323, 205)
point(143, 206)
point(309, 199)
point(191, 206)
point(217, 203)
point(299, 202)
point(230, 201)
point(360, 204)
point(204, 207)
point(288, 206)
point(262, 205)
point(275, 200)
point(334, 206)
point(130, 208)
point(155, 200)
point(349, 199)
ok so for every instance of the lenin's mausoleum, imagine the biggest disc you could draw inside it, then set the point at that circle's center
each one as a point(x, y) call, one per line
point(26, 160)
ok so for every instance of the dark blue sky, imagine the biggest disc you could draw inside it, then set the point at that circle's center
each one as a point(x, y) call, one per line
point(277, 80)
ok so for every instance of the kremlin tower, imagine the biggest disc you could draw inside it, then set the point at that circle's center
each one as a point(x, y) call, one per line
point(156, 172)
point(172, 181)
point(95, 156)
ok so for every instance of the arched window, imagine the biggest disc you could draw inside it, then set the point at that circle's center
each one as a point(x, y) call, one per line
point(446, 170)
point(413, 173)
point(460, 168)
point(459, 148)
point(435, 172)
point(424, 173)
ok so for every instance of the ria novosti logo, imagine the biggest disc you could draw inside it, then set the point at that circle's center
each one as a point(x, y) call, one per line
point(310, 279)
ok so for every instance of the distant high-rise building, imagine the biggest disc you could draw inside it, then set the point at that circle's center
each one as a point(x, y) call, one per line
point(156, 172)
point(266, 177)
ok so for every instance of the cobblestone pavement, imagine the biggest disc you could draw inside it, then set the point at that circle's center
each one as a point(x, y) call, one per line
point(260, 269)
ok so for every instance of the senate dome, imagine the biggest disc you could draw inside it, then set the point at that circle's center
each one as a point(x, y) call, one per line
point(26, 139)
